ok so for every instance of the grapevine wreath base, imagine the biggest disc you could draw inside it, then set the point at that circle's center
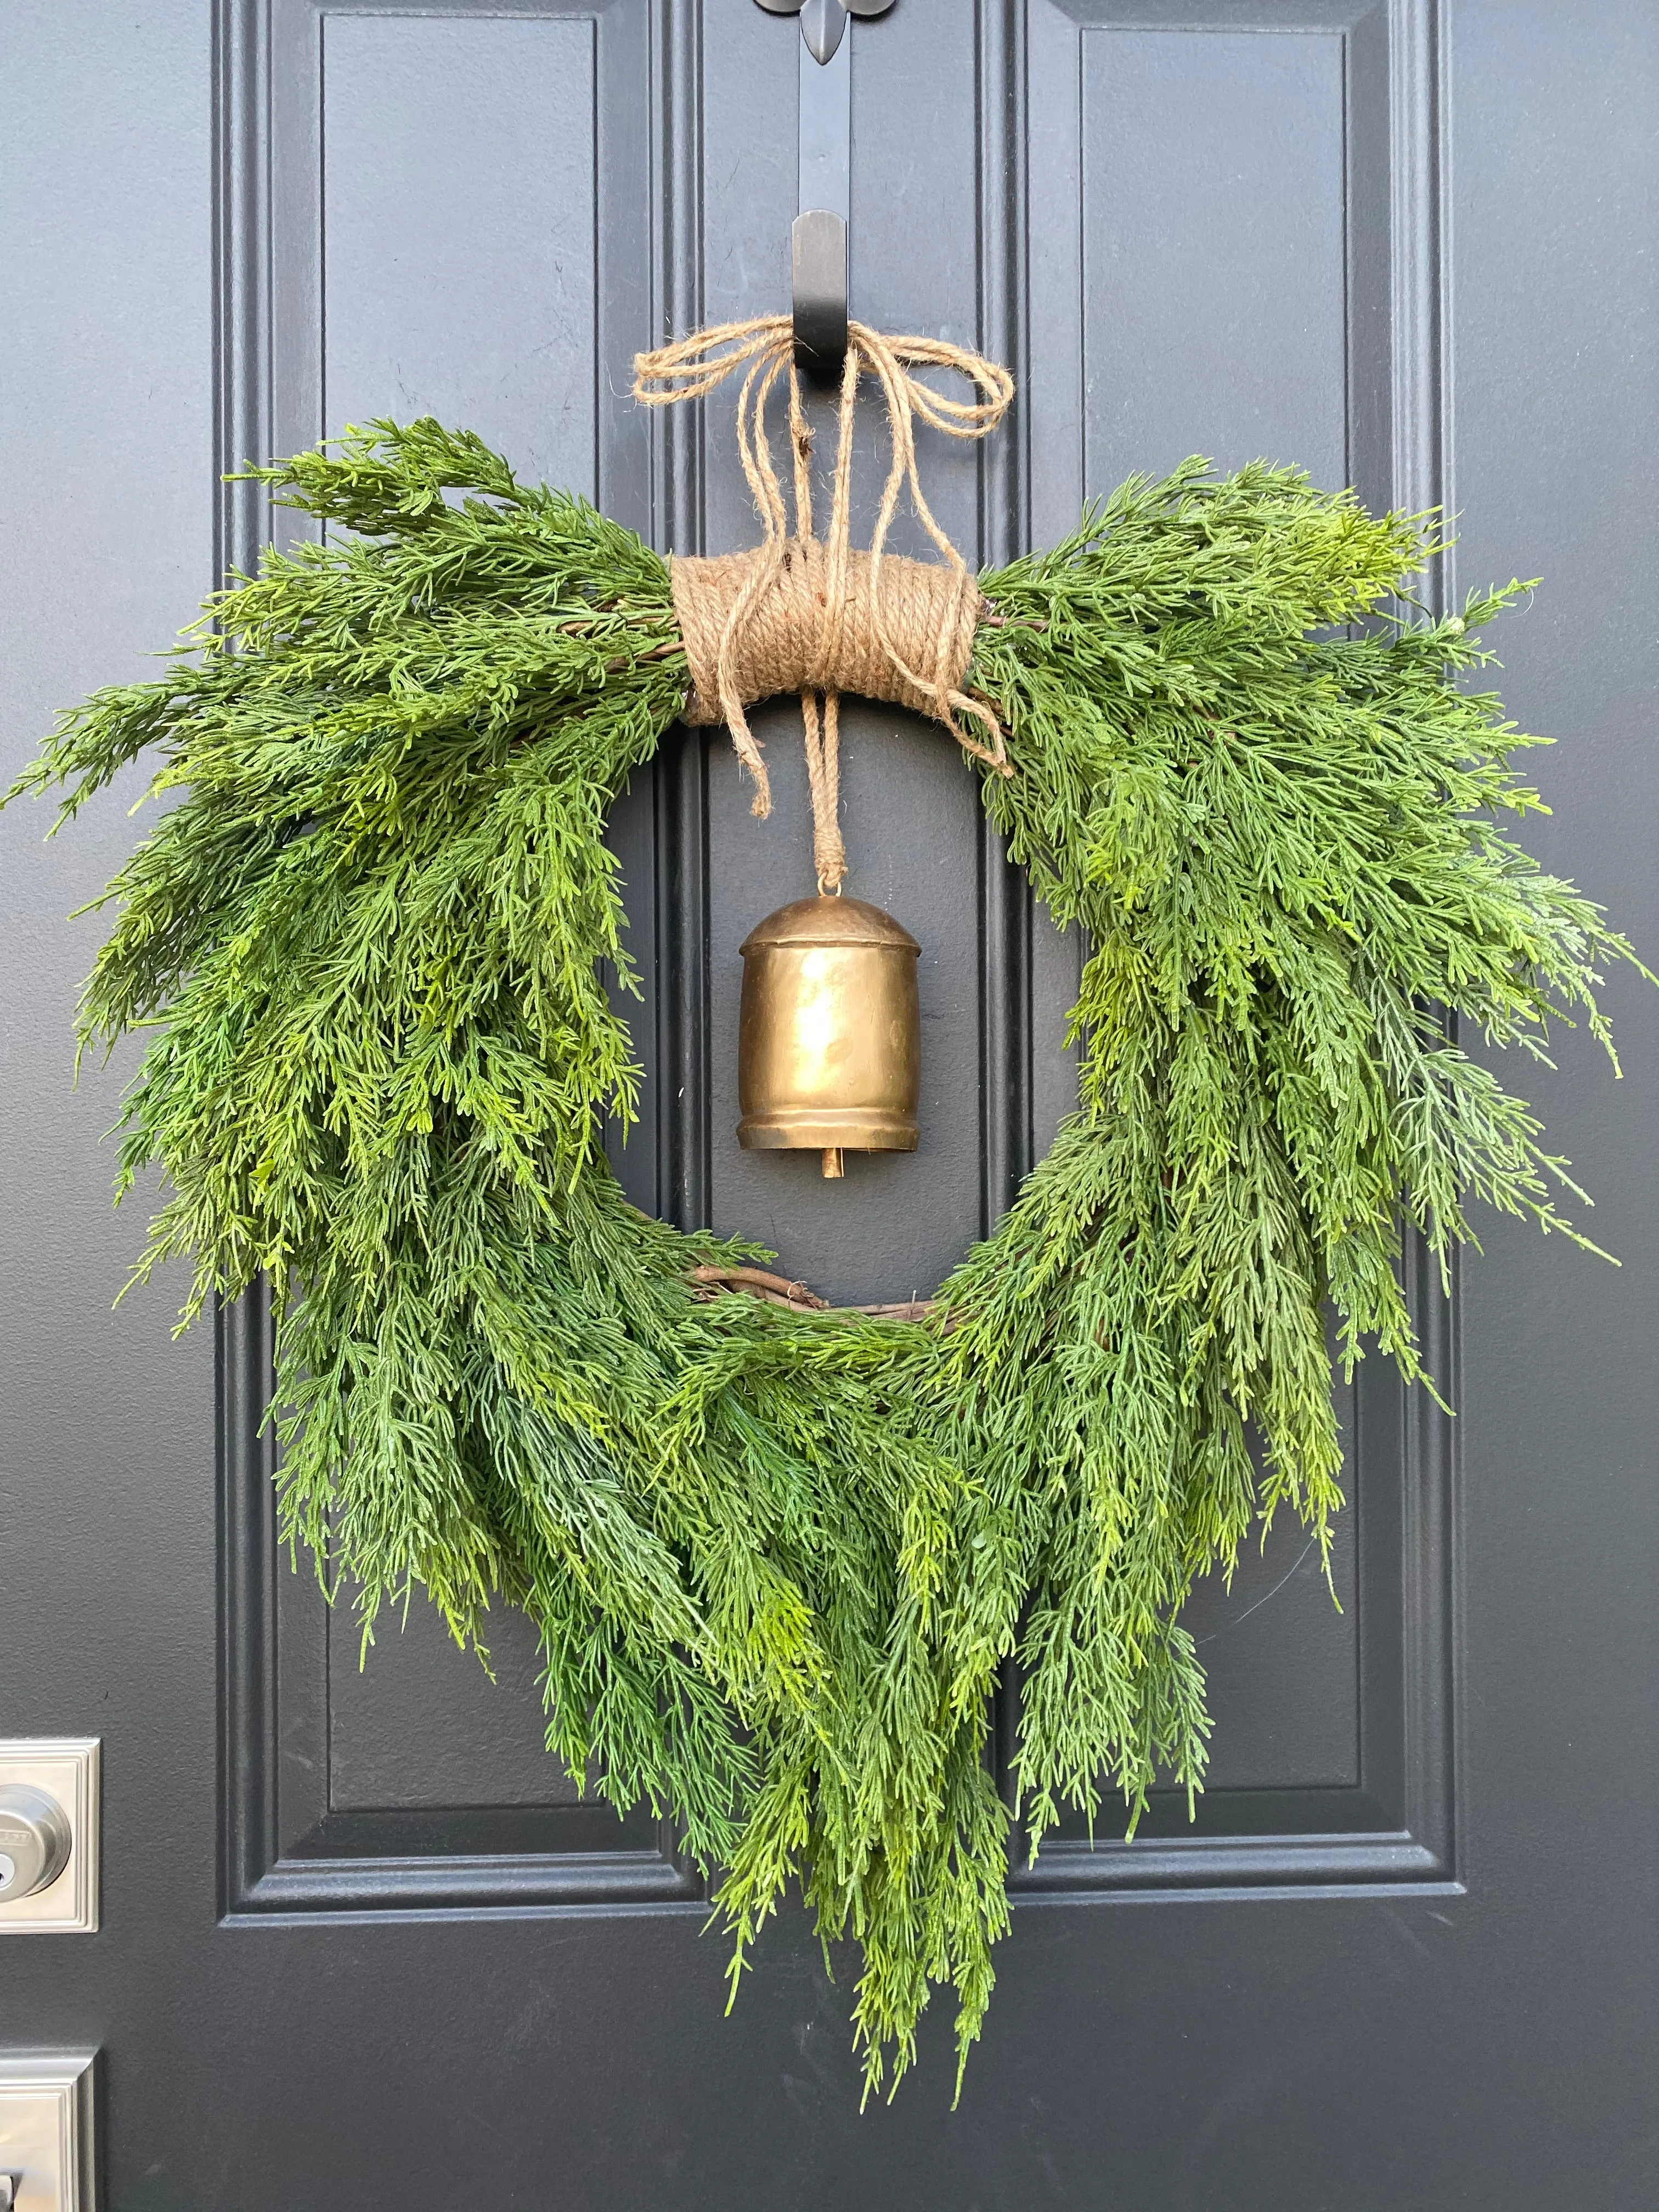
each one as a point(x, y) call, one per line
point(776, 1555)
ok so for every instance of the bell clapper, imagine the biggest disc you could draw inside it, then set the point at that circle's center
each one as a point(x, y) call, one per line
point(834, 1165)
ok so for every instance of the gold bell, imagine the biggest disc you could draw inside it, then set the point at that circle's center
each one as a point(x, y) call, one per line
point(830, 1034)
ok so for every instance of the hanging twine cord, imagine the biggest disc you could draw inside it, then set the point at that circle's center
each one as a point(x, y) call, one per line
point(797, 613)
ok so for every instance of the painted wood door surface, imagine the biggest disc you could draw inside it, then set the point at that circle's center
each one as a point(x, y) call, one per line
point(363, 1948)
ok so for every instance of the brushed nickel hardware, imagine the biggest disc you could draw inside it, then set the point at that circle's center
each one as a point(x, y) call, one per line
point(49, 1840)
point(35, 1841)
point(47, 2142)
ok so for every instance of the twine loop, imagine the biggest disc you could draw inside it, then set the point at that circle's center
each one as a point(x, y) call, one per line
point(798, 613)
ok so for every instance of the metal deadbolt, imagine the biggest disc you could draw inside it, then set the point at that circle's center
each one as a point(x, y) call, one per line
point(34, 1840)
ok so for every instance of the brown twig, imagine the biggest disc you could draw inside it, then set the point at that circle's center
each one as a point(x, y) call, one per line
point(663, 652)
point(776, 1290)
point(757, 1281)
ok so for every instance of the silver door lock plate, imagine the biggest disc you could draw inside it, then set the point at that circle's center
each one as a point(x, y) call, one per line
point(49, 1825)
point(46, 2131)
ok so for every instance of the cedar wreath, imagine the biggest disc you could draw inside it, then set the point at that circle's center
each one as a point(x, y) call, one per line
point(776, 1555)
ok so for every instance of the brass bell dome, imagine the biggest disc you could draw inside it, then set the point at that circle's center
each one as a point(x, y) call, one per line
point(830, 1034)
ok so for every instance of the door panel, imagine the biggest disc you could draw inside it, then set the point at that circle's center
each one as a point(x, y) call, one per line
point(1213, 245)
point(429, 1728)
point(1215, 257)
point(1390, 239)
point(424, 241)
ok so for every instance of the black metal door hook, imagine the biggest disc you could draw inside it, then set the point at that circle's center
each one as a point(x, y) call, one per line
point(818, 257)
point(819, 253)
point(823, 21)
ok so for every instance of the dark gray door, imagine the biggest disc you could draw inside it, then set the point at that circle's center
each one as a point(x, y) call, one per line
point(360, 1947)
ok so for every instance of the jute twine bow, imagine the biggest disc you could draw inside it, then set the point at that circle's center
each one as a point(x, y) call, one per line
point(800, 614)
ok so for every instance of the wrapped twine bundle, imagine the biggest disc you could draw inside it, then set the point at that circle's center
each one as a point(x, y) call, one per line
point(776, 1555)
point(793, 614)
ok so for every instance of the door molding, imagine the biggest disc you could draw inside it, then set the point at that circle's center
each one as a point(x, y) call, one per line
point(1397, 1825)
point(285, 1848)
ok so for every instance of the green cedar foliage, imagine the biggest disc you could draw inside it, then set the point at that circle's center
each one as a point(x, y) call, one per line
point(776, 1559)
